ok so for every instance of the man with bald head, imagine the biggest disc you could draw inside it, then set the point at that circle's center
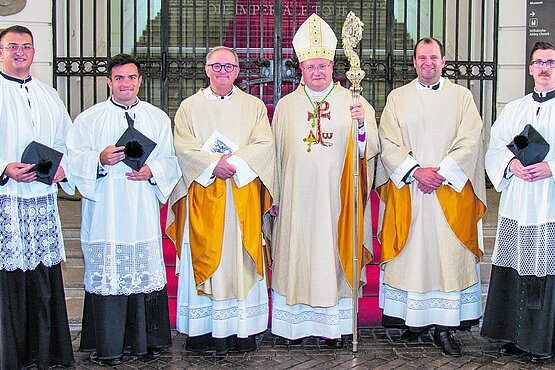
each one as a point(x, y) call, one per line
point(430, 178)
point(225, 149)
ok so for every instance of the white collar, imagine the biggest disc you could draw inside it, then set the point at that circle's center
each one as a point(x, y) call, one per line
point(211, 95)
point(324, 92)
point(421, 86)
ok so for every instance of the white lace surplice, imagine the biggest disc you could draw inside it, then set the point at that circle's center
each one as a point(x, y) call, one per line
point(120, 228)
point(31, 232)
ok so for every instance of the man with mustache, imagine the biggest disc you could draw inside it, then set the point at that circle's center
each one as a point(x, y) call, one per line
point(430, 178)
point(521, 297)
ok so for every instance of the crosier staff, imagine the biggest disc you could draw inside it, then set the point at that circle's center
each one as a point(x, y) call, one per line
point(351, 36)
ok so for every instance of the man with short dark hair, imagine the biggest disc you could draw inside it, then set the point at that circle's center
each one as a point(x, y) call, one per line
point(521, 297)
point(34, 328)
point(225, 149)
point(430, 178)
point(126, 302)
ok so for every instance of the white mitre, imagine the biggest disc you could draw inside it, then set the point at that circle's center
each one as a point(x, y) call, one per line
point(314, 39)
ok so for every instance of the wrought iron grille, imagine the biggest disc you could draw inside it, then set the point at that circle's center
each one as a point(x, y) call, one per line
point(171, 39)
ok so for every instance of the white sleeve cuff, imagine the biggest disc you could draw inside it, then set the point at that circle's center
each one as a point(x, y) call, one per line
point(454, 175)
point(206, 178)
point(244, 173)
point(400, 174)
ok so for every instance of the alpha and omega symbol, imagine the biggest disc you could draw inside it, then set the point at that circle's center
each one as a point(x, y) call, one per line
point(321, 111)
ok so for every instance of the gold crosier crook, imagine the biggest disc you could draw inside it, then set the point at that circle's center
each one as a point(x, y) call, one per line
point(351, 36)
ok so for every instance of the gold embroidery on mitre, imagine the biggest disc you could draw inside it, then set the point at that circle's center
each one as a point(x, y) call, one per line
point(314, 39)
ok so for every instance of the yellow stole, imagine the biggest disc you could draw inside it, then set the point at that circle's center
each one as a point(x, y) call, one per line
point(346, 218)
point(206, 224)
point(462, 211)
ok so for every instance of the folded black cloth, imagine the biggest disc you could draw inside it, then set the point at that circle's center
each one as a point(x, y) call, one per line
point(529, 147)
point(45, 159)
point(137, 147)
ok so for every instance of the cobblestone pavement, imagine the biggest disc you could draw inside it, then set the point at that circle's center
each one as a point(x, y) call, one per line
point(378, 348)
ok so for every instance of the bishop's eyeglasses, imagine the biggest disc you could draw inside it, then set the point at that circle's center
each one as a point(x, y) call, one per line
point(217, 67)
point(538, 63)
point(320, 67)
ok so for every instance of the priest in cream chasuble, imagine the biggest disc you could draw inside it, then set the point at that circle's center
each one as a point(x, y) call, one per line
point(312, 237)
point(430, 178)
point(225, 149)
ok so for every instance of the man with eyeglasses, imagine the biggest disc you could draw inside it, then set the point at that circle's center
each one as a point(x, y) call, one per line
point(430, 178)
point(34, 329)
point(225, 149)
point(312, 244)
point(521, 299)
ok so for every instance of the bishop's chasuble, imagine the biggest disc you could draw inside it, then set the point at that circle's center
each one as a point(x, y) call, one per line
point(430, 242)
point(217, 224)
point(312, 238)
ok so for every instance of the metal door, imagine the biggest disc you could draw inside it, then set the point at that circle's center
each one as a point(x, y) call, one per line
point(172, 37)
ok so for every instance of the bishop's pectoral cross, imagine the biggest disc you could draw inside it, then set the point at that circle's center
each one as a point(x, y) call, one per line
point(311, 139)
point(321, 110)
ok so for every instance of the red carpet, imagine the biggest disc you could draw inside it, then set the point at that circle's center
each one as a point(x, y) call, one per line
point(369, 314)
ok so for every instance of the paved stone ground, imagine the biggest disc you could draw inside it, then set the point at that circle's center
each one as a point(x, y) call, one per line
point(378, 348)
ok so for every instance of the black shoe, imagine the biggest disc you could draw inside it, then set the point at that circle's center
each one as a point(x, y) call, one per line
point(106, 362)
point(247, 344)
point(410, 336)
point(200, 344)
point(334, 343)
point(539, 359)
point(444, 339)
point(510, 349)
point(152, 354)
point(294, 342)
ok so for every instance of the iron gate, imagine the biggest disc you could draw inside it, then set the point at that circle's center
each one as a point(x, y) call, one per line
point(172, 37)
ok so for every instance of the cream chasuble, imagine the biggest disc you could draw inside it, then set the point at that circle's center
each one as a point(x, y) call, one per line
point(243, 120)
point(311, 147)
point(430, 126)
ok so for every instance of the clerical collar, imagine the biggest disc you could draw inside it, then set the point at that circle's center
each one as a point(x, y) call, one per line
point(211, 95)
point(435, 86)
point(544, 96)
point(15, 79)
point(124, 107)
point(316, 94)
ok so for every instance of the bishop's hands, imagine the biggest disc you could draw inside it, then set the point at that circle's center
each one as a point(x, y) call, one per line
point(428, 179)
point(274, 210)
point(534, 172)
point(357, 113)
point(223, 169)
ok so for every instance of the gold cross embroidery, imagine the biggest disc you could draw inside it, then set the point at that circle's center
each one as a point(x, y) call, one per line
point(311, 139)
point(321, 111)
